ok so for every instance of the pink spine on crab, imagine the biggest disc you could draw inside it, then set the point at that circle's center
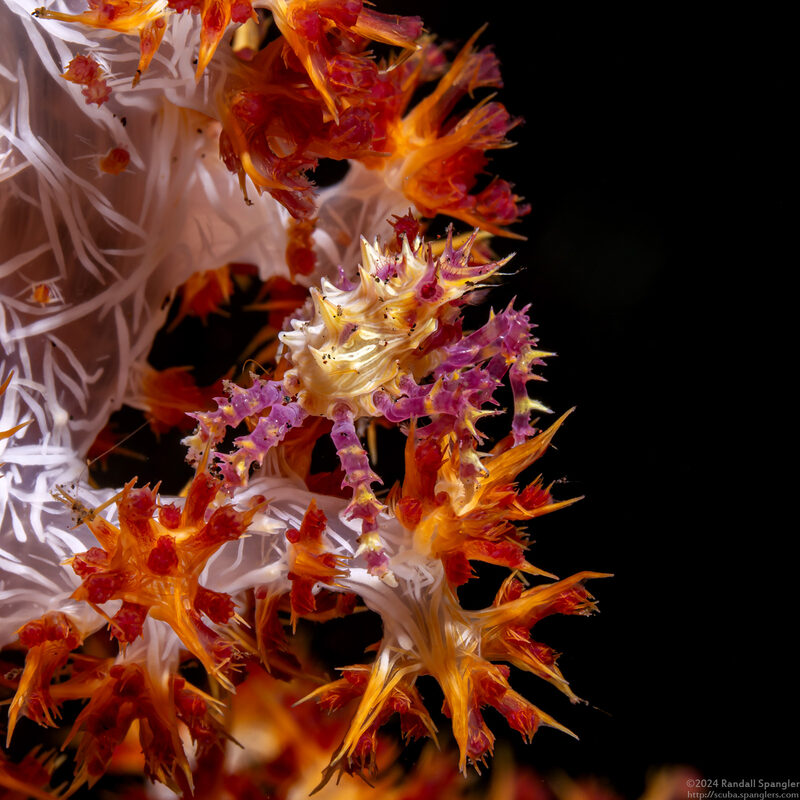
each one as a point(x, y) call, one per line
point(232, 411)
point(342, 281)
point(455, 261)
point(520, 373)
point(253, 447)
point(505, 340)
point(359, 477)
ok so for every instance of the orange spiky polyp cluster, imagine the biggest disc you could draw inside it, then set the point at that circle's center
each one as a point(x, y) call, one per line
point(436, 157)
point(431, 634)
point(153, 564)
point(276, 125)
point(309, 563)
point(446, 525)
point(119, 695)
point(286, 745)
point(130, 692)
point(28, 778)
point(427, 632)
point(319, 92)
point(148, 565)
point(49, 642)
point(313, 93)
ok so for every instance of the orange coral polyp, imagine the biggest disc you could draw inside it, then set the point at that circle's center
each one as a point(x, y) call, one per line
point(383, 691)
point(130, 693)
point(507, 624)
point(448, 646)
point(480, 529)
point(203, 294)
point(435, 161)
point(122, 16)
point(154, 569)
point(169, 394)
point(27, 778)
point(216, 16)
point(276, 125)
point(310, 27)
point(437, 637)
point(309, 563)
point(115, 161)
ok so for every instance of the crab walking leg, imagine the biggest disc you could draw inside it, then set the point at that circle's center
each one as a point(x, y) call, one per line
point(358, 475)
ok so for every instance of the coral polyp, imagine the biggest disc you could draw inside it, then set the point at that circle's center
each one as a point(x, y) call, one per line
point(147, 161)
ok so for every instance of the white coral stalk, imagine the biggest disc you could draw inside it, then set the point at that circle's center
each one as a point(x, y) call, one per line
point(109, 249)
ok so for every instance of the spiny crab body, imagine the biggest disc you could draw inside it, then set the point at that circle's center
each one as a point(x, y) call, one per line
point(375, 336)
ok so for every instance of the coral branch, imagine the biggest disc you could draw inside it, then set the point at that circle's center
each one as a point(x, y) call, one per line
point(118, 208)
point(49, 641)
point(153, 564)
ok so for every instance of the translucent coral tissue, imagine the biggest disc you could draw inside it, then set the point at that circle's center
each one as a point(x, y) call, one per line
point(154, 151)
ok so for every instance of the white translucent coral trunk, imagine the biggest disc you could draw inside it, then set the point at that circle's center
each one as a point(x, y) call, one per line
point(109, 249)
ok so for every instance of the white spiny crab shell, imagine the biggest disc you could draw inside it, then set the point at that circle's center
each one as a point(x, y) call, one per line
point(365, 339)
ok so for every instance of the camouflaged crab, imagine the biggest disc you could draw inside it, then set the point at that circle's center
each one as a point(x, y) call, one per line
point(388, 345)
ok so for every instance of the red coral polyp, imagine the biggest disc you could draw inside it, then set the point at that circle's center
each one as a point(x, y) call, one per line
point(86, 72)
point(309, 562)
point(155, 569)
point(49, 641)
